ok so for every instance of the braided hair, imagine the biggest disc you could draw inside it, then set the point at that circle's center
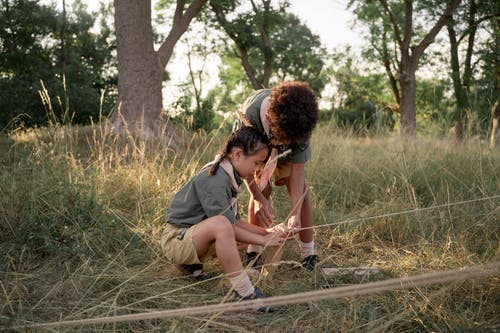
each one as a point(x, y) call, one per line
point(248, 138)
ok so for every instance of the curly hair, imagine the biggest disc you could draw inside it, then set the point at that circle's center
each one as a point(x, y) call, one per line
point(293, 111)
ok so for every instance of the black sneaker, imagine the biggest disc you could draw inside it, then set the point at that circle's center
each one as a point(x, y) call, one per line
point(310, 262)
point(194, 271)
point(256, 294)
point(253, 259)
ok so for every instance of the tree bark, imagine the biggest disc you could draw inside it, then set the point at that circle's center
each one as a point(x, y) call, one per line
point(495, 122)
point(139, 72)
point(460, 94)
point(266, 41)
point(461, 84)
point(408, 84)
point(141, 68)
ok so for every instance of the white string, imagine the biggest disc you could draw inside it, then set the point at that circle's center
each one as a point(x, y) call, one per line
point(416, 210)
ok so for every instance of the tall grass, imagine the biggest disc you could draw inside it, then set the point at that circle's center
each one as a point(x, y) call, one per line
point(82, 209)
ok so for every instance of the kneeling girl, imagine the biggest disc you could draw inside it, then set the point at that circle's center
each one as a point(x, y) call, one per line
point(204, 213)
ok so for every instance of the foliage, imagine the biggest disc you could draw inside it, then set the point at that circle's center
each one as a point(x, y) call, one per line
point(400, 33)
point(435, 110)
point(362, 102)
point(194, 117)
point(469, 79)
point(40, 44)
point(298, 53)
point(272, 44)
point(487, 88)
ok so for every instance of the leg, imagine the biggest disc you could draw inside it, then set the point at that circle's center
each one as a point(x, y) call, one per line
point(252, 251)
point(309, 259)
point(306, 213)
point(219, 230)
point(306, 218)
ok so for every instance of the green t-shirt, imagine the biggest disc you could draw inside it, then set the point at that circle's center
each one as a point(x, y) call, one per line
point(202, 197)
point(301, 150)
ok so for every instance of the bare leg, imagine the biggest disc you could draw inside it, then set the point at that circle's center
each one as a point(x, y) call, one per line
point(306, 214)
point(306, 219)
point(219, 230)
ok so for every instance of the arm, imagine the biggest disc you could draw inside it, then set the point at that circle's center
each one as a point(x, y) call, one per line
point(255, 190)
point(264, 212)
point(264, 231)
point(251, 228)
point(244, 235)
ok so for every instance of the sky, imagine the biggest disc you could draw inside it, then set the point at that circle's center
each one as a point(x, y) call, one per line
point(328, 19)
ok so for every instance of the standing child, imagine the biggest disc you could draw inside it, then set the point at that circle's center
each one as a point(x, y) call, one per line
point(286, 114)
point(204, 214)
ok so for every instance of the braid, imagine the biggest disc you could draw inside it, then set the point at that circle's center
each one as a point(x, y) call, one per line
point(215, 166)
point(244, 119)
point(249, 139)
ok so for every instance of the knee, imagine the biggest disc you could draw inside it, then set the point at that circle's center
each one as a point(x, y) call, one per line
point(222, 227)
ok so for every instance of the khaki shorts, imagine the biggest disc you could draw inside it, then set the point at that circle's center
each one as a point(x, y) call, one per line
point(179, 251)
point(182, 251)
point(281, 172)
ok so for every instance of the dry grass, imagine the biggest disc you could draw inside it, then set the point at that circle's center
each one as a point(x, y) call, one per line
point(82, 210)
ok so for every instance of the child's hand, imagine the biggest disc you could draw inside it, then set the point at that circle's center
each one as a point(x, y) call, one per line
point(294, 222)
point(275, 238)
point(284, 228)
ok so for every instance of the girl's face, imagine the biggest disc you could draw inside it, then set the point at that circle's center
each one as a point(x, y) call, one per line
point(246, 165)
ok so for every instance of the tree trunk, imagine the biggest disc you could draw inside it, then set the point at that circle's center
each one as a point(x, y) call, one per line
point(495, 122)
point(139, 100)
point(461, 85)
point(266, 42)
point(141, 68)
point(460, 93)
point(408, 84)
point(410, 56)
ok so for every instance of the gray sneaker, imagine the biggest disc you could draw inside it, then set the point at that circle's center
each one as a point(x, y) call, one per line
point(253, 259)
point(256, 294)
point(194, 271)
point(310, 262)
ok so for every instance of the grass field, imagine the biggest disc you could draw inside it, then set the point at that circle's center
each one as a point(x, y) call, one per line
point(82, 209)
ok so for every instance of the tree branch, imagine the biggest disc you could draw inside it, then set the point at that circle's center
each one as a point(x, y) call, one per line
point(429, 38)
point(179, 27)
point(408, 31)
point(394, 24)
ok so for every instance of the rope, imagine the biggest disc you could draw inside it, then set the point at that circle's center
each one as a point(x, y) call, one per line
point(416, 210)
point(411, 282)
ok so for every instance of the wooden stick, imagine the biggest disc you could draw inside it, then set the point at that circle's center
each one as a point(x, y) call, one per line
point(273, 257)
point(358, 271)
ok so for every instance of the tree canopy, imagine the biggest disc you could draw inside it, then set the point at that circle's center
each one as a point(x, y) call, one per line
point(39, 43)
point(70, 54)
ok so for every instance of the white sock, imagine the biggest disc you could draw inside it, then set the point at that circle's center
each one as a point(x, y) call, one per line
point(306, 249)
point(254, 248)
point(242, 284)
